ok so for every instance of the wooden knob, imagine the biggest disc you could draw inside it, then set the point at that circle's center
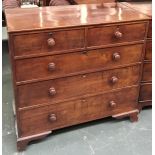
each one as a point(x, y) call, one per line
point(84, 52)
point(52, 117)
point(116, 56)
point(52, 91)
point(112, 104)
point(84, 76)
point(114, 79)
point(83, 100)
point(51, 42)
point(118, 34)
point(51, 66)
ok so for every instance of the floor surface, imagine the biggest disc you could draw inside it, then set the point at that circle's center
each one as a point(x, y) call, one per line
point(103, 137)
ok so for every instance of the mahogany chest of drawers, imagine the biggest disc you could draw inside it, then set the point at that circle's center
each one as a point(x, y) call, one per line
point(74, 64)
point(145, 98)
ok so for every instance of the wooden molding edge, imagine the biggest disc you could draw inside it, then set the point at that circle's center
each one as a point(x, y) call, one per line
point(23, 141)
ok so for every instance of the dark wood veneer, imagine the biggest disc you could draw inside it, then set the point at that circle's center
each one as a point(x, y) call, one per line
point(148, 53)
point(147, 72)
point(150, 29)
point(107, 35)
point(73, 112)
point(76, 86)
point(146, 90)
point(29, 44)
point(58, 66)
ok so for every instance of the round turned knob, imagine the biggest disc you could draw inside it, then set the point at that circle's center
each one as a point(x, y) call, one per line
point(114, 79)
point(51, 42)
point(83, 100)
point(84, 76)
point(112, 104)
point(118, 34)
point(51, 66)
point(52, 117)
point(52, 91)
point(116, 56)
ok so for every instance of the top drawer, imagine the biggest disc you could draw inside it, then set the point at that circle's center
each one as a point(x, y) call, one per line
point(100, 36)
point(38, 43)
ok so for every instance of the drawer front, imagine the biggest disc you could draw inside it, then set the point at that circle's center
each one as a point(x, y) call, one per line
point(147, 72)
point(30, 44)
point(148, 52)
point(146, 92)
point(150, 30)
point(73, 63)
point(116, 34)
point(77, 111)
point(68, 88)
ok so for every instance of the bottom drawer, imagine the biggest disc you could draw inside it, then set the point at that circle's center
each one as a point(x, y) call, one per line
point(59, 115)
point(145, 92)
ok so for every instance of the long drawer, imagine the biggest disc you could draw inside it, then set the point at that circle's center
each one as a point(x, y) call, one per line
point(76, 86)
point(46, 42)
point(73, 63)
point(147, 72)
point(104, 35)
point(148, 52)
point(73, 112)
point(146, 92)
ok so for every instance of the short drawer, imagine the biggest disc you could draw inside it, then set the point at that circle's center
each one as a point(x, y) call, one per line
point(48, 42)
point(150, 30)
point(147, 72)
point(148, 52)
point(52, 117)
point(73, 63)
point(58, 90)
point(145, 92)
point(98, 36)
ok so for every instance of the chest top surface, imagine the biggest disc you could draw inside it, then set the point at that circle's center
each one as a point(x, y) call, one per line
point(143, 7)
point(31, 19)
